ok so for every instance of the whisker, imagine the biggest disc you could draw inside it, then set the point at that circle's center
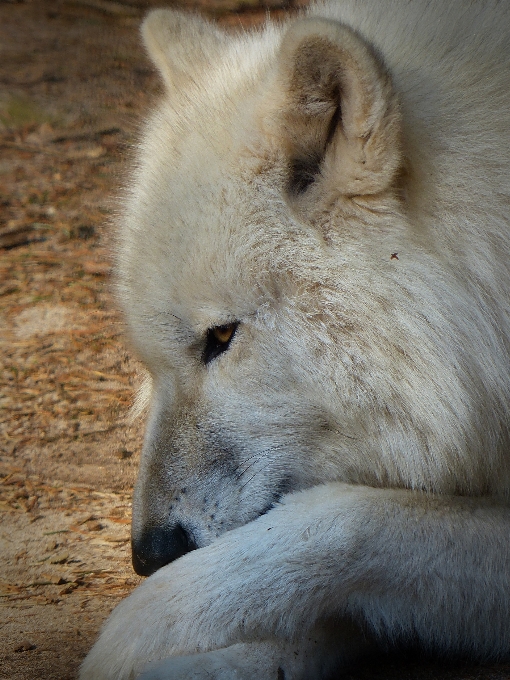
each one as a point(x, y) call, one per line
point(252, 477)
point(256, 456)
point(246, 469)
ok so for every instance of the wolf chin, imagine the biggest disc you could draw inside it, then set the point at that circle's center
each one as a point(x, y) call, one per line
point(313, 263)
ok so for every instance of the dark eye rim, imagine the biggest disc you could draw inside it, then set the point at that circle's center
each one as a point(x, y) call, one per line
point(213, 346)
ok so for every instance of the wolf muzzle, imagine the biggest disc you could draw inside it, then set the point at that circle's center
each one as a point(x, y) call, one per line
point(158, 546)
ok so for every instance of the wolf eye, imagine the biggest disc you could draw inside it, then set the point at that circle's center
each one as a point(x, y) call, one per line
point(217, 341)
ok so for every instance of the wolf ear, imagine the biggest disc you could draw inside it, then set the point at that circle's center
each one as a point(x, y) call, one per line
point(179, 44)
point(341, 122)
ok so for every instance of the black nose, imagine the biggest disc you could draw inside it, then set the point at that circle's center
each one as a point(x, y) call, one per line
point(158, 546)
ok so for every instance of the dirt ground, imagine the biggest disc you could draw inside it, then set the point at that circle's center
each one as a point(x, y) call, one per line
point(74, 84)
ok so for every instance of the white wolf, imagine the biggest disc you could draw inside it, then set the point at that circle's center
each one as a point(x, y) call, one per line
point(314, 265)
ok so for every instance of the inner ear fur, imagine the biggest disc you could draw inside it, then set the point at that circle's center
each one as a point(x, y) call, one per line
point(341, 123)
point(180, 44)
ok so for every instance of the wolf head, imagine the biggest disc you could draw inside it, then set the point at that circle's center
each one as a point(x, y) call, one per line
point(285, 338)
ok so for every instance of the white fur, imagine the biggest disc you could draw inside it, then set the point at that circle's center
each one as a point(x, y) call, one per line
point(370, 371)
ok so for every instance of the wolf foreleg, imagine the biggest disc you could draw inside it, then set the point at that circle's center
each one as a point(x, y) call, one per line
point(407, 565)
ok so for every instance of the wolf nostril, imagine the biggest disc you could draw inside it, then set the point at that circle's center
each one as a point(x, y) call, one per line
point(158, 546)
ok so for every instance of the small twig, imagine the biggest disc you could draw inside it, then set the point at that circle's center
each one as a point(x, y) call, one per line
point(17, 236)
point(87, 134)
point(110, 7)
point(30, 148)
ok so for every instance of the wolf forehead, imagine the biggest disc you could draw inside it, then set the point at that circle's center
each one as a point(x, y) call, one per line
point(223, 243)
point(219, 250)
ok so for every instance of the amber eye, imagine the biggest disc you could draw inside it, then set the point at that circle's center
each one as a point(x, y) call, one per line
point(224, 334)
point(218, 340)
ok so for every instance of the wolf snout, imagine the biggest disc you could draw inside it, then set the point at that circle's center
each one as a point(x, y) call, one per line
point(158, 546)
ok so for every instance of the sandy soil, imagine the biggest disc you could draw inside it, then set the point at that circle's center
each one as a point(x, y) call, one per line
point(74, 83)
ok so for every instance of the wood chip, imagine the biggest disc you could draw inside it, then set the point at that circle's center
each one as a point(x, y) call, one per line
point(110, 7)
point(60, 558)
point(94, 525)
point(17, 236)
point(97, 269)
point(8, 589)
point(25, 646)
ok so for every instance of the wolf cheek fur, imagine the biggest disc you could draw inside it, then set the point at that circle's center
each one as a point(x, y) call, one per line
point(290, 351)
